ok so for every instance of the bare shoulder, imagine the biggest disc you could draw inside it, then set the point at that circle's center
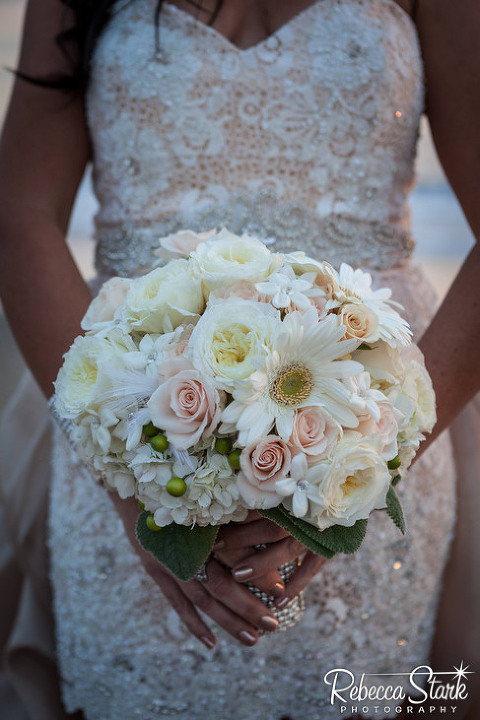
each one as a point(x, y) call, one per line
point(449, 33)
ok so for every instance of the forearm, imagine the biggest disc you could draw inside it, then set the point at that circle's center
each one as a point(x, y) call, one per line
point(451, 345)
point(43, 294)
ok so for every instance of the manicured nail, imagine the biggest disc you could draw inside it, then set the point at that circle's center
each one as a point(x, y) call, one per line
point(247, 638)
point(284, 601)
point(269, 623)
point(219, 545)
point(277, 590)
point(242, 573)
point(208, 642)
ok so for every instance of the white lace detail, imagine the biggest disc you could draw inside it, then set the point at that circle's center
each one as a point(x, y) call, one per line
point(308, 140)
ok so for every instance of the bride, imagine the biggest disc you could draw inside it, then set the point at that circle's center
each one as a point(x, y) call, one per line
point(297, 122)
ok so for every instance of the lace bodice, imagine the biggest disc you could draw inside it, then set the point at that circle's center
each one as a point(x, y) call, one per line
point(308, 138)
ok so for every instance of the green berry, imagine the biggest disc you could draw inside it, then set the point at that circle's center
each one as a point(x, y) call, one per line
point(394, 463)
point(150, 430)
point(159, 443)
point(234, 459)
point(152, 525)
point(223, 445)
point(176, 486)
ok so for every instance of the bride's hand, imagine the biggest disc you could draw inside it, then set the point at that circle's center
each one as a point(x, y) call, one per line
point(231, 605)
point(235, 548)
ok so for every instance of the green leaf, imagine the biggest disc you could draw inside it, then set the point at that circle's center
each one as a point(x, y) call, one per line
point(394, 510)
point(396, 480)
point(182, 549)
point(345, 539)
point(336, 539)
point(294, 526)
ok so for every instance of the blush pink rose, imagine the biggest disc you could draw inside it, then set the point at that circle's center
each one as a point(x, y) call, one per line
point(262, 464)
point(241, 289)
point(314, 432)
point(186, 406)
point(386, 428)
point(104, 305)
point(182, 243)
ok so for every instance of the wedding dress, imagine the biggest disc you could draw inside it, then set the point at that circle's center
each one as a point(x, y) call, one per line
point(307, 140)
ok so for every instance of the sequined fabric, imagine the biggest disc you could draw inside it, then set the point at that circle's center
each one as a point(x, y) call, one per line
point(308, 140)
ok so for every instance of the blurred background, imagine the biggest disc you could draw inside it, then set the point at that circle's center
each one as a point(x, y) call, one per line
point(443, 237)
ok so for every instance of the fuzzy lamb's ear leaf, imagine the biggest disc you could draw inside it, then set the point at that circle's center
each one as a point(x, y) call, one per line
point(336, 539)
point(182, 549)
point(394, 510)
point(345, 539)
point(308, 537)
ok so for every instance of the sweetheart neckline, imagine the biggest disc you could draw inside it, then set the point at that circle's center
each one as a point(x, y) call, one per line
point(276, 33)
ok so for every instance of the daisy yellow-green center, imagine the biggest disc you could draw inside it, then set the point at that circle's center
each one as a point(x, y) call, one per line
point(291, 385)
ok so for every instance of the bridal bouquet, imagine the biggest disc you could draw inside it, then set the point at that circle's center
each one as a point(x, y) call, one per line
point(231, 378)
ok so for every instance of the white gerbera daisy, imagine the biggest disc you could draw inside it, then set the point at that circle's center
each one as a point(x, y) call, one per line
point(302, 369)
point(355, 286)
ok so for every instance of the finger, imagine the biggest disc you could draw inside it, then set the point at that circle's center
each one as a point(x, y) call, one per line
point(183, 606)
point(270, 583)
point(262, 563)
point(257, 532)
point(238, 598)
point(310, 566)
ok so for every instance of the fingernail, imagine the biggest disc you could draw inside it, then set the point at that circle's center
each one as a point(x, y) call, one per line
point(269, 623)
point(242, 573)
point(219, 545)
point(277, 590)
point(247, 638)
point(284, 601)
point(208, 642)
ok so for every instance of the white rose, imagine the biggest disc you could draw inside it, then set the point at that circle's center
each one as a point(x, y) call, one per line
point(162, 299)
point(418, 386)
point(227, 258)
point(106, 303)
point(76, 384)
point(230, 336)
point(383, 363)
point(347, 487)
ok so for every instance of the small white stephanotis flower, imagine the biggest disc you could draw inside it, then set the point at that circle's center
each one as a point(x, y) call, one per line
point(304, 368)
point(296, 488)
point(355, 286)
point(349, 485)
point(286, 290)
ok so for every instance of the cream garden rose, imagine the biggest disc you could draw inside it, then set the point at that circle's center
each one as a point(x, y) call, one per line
point(348, 488)
point(230, 337)
point(76, 384)
point(225, 258)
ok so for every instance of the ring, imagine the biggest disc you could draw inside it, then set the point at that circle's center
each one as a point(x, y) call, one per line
point(201, 575)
